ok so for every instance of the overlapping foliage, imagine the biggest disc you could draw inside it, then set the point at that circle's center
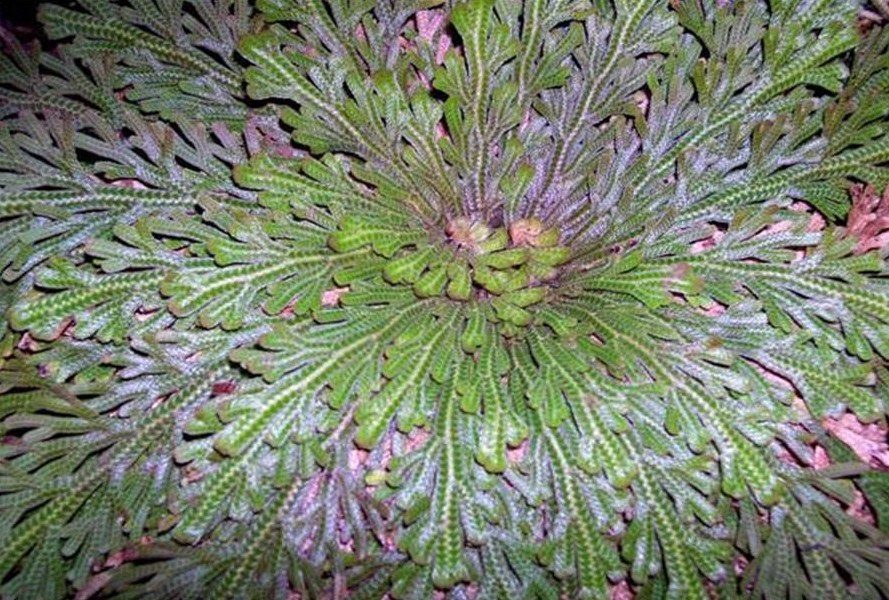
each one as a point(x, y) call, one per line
point(498, 298)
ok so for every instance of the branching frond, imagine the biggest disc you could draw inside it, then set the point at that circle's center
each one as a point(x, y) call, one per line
point(469, 298)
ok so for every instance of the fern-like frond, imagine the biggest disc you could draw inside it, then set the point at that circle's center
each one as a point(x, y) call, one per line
point(458, 298)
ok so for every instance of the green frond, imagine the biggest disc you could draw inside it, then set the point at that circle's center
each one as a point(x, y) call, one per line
point(443, 298)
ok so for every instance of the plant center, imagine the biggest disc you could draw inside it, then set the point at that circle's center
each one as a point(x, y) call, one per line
point(504, 269)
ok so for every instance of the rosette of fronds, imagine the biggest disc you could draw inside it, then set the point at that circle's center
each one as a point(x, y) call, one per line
point(483, 298)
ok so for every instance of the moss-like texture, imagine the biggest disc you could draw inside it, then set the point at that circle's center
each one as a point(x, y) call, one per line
point(477, 298)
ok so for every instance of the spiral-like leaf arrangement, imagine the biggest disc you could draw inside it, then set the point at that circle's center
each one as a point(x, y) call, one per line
point(480, 298)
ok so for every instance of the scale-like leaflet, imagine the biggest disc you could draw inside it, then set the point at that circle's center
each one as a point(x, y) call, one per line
point(464, 298)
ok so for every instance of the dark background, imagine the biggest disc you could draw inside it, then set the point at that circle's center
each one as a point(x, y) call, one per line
point(18, 13)
point(20, 16)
